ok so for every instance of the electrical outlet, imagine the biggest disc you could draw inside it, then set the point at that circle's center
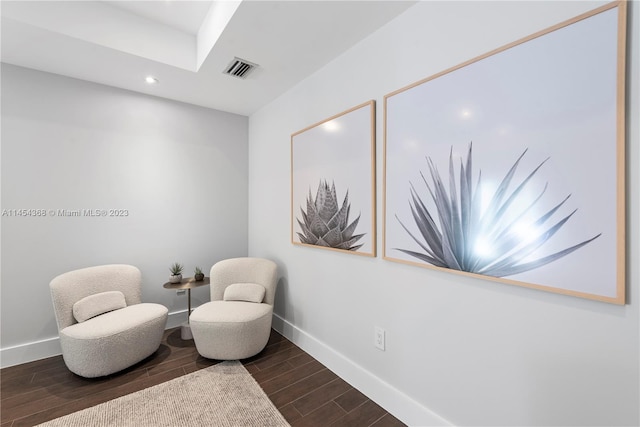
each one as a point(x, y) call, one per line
point(378, 339)
point(181, 292)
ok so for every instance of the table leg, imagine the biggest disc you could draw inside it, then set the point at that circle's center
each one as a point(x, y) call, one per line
point(189, 299)
point(185, 332)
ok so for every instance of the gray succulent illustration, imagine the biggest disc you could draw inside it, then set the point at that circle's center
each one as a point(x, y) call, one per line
point(460, 235)
point(325, 223)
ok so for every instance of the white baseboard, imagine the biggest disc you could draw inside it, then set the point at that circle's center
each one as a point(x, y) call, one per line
point(176, 319)
point(384, 394)
point(28, 352)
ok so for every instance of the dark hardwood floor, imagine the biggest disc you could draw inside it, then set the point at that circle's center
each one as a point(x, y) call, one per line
point(305, 391)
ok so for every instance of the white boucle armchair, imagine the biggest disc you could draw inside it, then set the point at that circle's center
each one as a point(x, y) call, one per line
point(103, 325)
point(236, 323)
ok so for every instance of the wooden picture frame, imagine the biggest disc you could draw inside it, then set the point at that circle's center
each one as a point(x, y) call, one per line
point(511, 166)
point(333, 192)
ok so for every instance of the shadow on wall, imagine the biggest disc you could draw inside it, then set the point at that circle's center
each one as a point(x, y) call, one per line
point(288, 318)
point(282, 289)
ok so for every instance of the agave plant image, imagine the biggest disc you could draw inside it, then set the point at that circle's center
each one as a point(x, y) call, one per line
point(325, 223)
point(461, 234)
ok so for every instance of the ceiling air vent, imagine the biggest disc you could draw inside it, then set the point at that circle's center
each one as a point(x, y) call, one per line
point(239, 68)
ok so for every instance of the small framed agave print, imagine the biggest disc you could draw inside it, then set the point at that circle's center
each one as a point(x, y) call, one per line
point(333, 183)
point(511, 166)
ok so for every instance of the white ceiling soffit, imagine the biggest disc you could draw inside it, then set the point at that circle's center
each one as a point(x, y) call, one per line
point(151, 30)
point(184, 15)
point(186, 45)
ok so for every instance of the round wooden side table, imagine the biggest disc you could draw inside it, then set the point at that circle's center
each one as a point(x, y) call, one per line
point(187, 283)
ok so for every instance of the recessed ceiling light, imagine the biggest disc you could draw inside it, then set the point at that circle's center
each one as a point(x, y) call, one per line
point(151, 80)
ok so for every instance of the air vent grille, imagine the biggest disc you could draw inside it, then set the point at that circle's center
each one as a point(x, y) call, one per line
point(239, 68)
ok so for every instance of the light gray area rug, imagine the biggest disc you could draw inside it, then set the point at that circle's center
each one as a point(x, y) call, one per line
point(221, 395)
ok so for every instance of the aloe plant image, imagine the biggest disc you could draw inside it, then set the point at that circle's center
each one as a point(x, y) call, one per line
point(176, 268)
point(499, 239)
point(325, 223)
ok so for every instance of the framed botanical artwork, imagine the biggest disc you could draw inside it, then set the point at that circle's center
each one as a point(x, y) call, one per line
point(511, 166)
point(333, 196)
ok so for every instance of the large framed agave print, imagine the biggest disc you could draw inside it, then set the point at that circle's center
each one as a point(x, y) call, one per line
point(510, 166)
point(333, 183)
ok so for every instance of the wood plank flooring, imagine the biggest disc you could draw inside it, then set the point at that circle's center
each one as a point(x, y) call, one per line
point(303, 390)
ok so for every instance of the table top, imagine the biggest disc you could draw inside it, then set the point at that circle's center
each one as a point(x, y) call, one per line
point(187, 283)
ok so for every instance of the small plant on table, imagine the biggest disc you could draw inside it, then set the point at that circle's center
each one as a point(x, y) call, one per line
point(199, 275)
point(176, 272)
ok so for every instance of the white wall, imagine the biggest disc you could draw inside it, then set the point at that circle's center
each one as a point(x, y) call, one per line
point(459, 350)
point(179, 170)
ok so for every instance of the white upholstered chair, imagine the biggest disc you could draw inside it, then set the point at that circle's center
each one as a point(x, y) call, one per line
point(236, 323)
point(103, 325)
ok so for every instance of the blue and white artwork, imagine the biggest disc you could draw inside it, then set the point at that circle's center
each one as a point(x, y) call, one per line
point(333, 183)
point(509, 167)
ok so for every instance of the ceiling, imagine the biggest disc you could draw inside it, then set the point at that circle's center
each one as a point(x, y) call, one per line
point(184, 15)
point(186, 45)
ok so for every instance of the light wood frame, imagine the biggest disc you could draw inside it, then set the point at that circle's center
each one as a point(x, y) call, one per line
point(339, 151)
point(613, 291)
